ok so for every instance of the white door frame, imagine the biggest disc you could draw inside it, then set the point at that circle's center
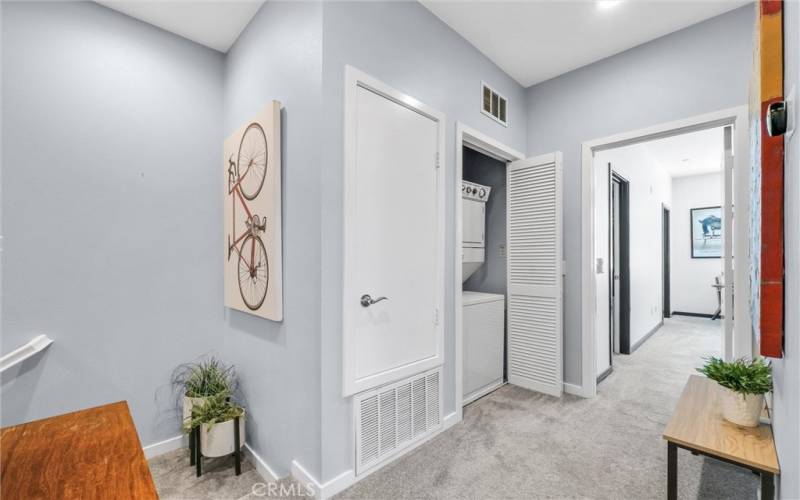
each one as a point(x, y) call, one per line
point(741, 344)
point(485, 144)
point(354, 79)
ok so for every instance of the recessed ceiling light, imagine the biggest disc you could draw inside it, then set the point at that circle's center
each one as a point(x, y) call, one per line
point(607, 4)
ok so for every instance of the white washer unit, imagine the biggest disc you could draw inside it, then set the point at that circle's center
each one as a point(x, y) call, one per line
point(483, 345)
point(473, 199)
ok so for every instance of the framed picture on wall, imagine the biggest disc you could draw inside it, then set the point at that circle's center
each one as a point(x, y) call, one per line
point(706, 227)
point(252, 216)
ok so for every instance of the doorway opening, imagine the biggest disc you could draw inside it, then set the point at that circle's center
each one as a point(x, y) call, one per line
point(616, 339)
point(650, 276)
point(619, 238)
point(483, 273)
point(736, 341)
point(477, 150)
point(531, 257)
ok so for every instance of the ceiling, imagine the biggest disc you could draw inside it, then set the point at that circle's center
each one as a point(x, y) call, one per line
point(530, 40)
point(213, 23)
point(683, 155)
point(534, 41)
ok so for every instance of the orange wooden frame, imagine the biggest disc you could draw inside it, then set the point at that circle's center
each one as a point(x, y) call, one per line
point(769, 157)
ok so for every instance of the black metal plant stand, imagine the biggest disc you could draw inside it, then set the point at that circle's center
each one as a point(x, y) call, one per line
point(196, 454)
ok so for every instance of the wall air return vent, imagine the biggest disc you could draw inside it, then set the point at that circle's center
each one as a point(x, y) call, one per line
point(391, 418)
point(494, 105)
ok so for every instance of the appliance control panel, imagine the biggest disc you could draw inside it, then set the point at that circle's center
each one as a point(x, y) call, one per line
point(472, 191)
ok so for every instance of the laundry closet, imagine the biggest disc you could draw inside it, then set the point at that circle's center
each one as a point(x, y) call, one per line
point(483, 275)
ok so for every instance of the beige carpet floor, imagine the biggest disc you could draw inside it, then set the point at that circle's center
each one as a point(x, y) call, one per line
point(175, 479)
point(515, 443)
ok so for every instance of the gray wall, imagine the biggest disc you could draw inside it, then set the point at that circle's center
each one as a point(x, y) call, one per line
point(110, 210)
point(112, 200)
point(407, 47)
point(649, 188)
point(691, 279)
point(786, 371)
point(279, 56)
point(700, 69)
point(491, 276)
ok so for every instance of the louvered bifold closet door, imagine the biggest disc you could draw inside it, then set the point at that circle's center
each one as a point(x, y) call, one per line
point(534, 232)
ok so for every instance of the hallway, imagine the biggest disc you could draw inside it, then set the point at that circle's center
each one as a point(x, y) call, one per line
point(518, 444)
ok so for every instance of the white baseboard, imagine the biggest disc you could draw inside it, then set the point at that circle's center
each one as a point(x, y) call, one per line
point(348, 477)
point(165, 446)
point(321, 491)
point(481, 393)
point(338, 484)
point(576, 390)
point(450, 420)
point(326, 490)
point(302, 475)
point(178, 442)
point(262, 467)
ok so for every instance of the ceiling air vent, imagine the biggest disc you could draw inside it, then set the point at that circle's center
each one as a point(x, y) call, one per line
point(494, 105)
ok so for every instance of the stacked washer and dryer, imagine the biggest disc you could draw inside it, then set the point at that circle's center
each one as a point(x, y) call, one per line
point(483, 313)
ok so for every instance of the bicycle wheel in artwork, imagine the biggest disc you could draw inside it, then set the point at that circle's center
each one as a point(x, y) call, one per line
point(252, 172)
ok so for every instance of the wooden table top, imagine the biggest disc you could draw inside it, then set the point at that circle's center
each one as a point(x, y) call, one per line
point(86, 454)
point(697, 423)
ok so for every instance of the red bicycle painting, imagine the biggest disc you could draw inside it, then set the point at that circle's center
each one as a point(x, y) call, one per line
point(246, 174)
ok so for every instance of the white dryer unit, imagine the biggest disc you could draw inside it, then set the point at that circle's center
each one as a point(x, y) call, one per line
point(484, 340)
point(473, 240)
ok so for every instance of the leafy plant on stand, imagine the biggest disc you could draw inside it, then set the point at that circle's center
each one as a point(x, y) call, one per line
point(207, 388)
point(204, 386)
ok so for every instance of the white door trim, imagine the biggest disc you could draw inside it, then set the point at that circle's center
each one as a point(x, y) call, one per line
point(741, 343)
point(354, 79)
point(485, 144)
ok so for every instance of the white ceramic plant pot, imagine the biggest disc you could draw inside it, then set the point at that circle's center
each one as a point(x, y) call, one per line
point(744, 410)
point(217, 440)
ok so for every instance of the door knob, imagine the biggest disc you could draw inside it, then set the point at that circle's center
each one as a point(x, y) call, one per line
point(367, 301)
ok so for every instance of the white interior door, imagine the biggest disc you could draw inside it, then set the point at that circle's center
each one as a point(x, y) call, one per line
point(534, 232)
point(393, 236)
point(727, 244)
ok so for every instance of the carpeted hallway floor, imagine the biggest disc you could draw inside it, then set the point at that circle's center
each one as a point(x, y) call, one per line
point(515, 443)
point(175, 480)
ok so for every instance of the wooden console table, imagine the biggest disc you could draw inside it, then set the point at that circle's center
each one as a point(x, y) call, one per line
point(697, 425)
point(86, 454)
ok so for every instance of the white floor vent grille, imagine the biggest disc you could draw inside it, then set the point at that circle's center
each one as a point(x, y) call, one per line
point(395, 416)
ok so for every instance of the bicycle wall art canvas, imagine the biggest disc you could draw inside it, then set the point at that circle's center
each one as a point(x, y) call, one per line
point(252, 172)
point(706, 224)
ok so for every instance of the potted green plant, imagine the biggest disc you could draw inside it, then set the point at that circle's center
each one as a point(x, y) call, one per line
point(744, 383)
point(215, 417)
point(207, 378)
